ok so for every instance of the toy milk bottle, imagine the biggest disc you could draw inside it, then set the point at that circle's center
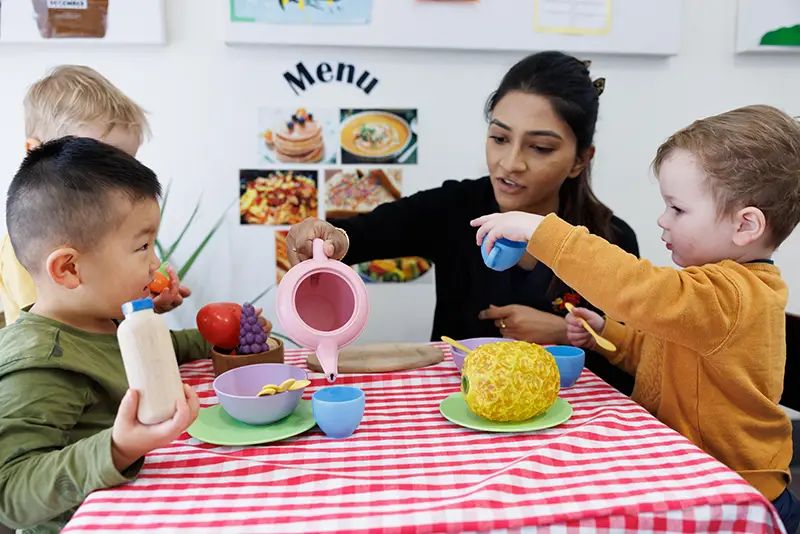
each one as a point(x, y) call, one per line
point(150, 362)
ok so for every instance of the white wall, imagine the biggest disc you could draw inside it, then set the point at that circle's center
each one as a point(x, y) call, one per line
point(203, 95)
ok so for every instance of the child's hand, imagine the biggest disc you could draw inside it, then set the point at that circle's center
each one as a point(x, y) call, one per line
point(172, 296)
point(577, 334)
point(131, 439)
point(513, 225)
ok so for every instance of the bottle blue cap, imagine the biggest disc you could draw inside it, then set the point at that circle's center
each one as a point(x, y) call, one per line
point(137, 305)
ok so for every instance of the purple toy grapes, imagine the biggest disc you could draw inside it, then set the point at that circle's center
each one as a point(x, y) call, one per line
point(252, 338)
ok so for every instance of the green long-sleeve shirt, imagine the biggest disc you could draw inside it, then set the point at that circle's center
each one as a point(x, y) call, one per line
point(60, 389)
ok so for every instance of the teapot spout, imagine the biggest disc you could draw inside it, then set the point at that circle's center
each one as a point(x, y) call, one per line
point(328, 356)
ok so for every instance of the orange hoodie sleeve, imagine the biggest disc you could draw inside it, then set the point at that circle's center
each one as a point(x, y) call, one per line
point(631, 344)
point(695, 307)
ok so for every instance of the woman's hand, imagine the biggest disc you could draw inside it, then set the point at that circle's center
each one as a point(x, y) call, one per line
point(527, 324)
point(302, 235)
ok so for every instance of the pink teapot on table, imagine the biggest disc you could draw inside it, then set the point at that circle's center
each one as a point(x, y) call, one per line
point(322, 304)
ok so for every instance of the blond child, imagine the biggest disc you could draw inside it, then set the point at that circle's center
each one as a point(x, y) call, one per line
point(706, 343)
point(83, 217)
point(76, 100)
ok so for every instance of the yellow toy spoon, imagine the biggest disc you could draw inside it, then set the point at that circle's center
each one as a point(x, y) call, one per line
point(453, 343)
point(603, 342)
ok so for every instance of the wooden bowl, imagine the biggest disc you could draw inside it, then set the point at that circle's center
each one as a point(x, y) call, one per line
point(225, 362)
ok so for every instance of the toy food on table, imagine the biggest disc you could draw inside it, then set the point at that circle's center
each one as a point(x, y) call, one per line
point(229, 326)
point(253, 334)
point(280, 197)
point(298, 140)
point(510, 381)
point(290, 384)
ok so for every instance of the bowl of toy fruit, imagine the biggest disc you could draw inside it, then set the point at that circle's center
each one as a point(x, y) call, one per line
point(239, 336)
point(261, 394)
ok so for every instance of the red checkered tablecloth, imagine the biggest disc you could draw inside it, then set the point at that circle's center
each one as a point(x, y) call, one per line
point(611, 468)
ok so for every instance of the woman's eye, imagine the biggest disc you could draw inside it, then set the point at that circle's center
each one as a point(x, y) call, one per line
point(543, 149)
point(497, 139)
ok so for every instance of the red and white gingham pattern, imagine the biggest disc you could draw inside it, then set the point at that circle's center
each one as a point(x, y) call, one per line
point(611, 468)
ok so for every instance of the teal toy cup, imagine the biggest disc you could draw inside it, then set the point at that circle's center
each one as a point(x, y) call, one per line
point(504, 254)
point(338, 410)
point(570, 363)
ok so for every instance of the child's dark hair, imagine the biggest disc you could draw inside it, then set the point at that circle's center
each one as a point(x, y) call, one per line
point(565, 82)
point(63, 195)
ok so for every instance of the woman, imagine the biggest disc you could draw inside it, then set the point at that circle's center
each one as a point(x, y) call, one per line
point(538, 149)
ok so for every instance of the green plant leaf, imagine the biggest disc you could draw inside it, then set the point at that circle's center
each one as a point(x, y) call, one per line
point(183, 270)
point(166, 196)
point(160, 250)
point(183, 232)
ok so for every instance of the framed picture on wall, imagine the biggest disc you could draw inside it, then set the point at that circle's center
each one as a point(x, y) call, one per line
point(772, 26)
point(85, 21)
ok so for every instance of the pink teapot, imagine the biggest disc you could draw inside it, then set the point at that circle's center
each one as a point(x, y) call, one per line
point(322, 304)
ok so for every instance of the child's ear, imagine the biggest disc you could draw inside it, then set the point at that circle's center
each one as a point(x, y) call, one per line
point(31, 143)
point(749, 226)
point(62, 267)
point(582, 162)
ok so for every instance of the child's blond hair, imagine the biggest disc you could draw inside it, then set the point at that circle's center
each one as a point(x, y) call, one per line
point(751, 156)
point(72, 96)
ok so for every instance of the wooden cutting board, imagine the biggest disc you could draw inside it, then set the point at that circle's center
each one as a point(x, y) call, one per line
point(383, 358)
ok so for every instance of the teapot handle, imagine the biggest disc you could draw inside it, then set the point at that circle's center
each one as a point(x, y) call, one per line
point(318, 249)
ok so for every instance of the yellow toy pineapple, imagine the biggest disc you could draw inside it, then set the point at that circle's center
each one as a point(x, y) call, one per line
point(510, 381)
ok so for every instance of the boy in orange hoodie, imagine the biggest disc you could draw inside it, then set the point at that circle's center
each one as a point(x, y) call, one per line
point(706, 343)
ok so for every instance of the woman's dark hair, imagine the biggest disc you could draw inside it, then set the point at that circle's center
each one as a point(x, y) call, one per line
point(565, 81)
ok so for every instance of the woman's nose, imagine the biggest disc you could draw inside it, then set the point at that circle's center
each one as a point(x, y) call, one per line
point(514, 162)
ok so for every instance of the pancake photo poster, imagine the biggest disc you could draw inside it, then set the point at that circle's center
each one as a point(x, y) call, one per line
point(378, 136)
point(352, 191)
point(277, 197)
point(302, 135)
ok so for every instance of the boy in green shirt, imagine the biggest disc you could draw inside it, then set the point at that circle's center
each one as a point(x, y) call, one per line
point(82, 216)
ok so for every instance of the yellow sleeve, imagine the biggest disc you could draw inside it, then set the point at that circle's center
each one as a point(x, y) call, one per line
point(695, 307)
point(630, 343)
point(17, 289)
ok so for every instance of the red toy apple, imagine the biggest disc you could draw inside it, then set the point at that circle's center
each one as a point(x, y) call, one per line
point(218, 323)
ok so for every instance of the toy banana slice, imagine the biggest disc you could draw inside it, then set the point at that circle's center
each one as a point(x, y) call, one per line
point(299, 384)
point(286, 385)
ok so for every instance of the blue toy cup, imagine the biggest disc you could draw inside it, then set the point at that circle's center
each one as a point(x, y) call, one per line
point(338, 410)
point(570, 363)
point(504, 254)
